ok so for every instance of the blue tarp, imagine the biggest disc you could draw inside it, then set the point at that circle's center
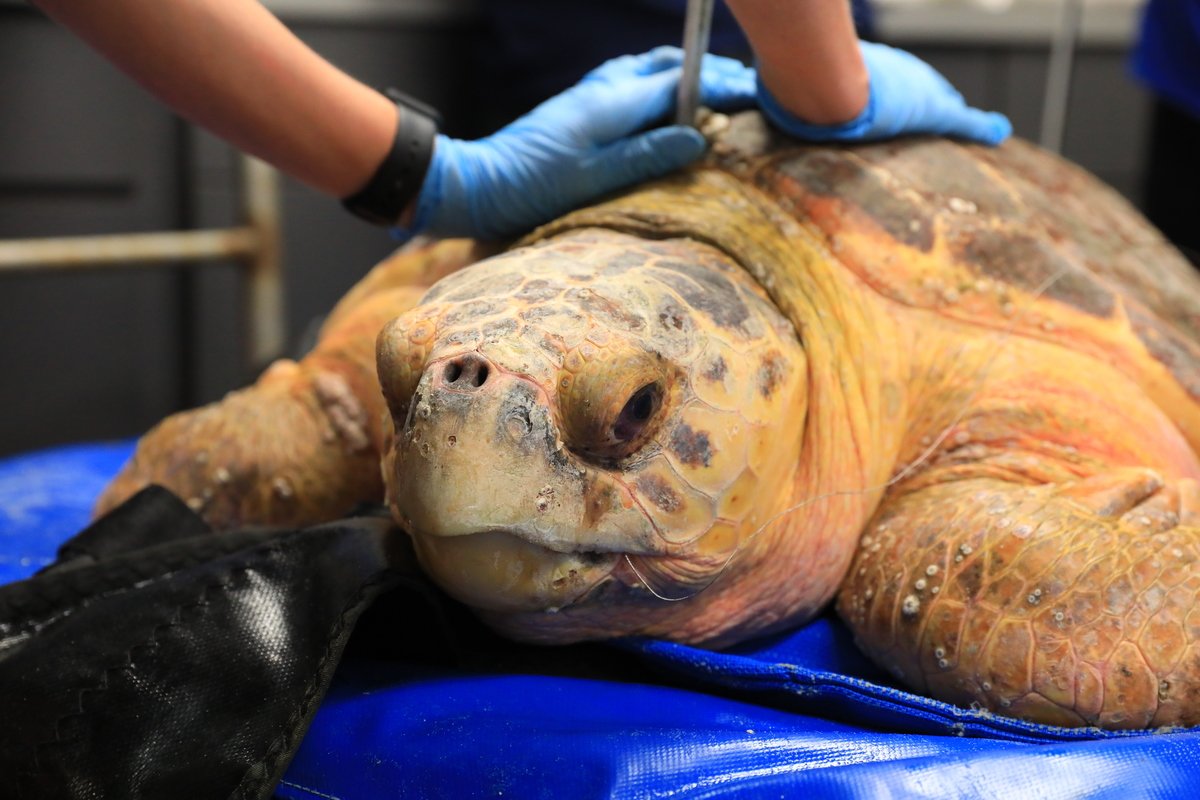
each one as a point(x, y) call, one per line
point(800, 714)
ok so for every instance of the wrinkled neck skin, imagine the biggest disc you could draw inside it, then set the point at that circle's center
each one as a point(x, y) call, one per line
point(742, 514)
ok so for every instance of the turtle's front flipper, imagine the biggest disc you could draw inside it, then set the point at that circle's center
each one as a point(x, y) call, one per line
point(1069, 604)
point(302, 444)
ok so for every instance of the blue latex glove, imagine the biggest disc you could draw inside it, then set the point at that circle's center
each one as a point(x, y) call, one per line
point(589, 140)
point(906, 96)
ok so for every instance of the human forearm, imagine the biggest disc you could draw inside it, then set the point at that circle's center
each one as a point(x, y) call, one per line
point(808, 56)
point(233, 68)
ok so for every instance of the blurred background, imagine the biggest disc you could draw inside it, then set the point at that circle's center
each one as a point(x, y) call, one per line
point(88, 354)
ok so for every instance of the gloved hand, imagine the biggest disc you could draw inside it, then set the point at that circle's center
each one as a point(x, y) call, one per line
point(573, 147)
point(906, 96)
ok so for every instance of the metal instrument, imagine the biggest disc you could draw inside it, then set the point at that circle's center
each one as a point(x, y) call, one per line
point(697, 26)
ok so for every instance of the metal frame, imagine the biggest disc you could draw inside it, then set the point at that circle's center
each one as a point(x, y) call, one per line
point(255, 245)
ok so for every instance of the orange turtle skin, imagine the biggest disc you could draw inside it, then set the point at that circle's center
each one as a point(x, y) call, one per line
point(302, 444)
point(953, 389)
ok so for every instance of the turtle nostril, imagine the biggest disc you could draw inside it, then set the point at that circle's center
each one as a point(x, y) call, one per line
point(465, 373)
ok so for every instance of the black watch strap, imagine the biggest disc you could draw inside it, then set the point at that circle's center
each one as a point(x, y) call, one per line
point(398, 179)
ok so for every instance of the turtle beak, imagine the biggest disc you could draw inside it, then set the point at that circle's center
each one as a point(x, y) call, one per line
point(502, 515)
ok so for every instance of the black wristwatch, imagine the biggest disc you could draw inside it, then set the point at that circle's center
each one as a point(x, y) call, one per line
point(398, 179)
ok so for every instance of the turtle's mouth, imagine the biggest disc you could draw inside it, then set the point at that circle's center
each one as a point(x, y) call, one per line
point(501, 570)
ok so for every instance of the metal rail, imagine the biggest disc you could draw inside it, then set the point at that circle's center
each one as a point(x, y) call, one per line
point(1058, 74)
point(697, 28)
point(254, 245)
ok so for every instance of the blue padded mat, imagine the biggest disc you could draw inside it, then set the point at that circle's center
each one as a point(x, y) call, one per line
point(797, 715)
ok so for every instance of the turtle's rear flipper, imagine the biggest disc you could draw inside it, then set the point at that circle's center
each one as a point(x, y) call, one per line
point(1071, 604)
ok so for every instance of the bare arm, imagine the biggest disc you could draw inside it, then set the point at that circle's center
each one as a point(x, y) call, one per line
point(232, 67)
point(808, 56)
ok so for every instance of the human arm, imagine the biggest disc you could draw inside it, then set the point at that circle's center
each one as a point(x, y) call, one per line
point(818, 81)
point(808, 56)
point(233, 68)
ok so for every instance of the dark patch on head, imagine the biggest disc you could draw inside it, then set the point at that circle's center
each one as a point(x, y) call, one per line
point(538, 290)
point(621, 263)
point(691, 446)
point(552, 346)
point(600, 306)
point(770, 373)
point(464, 338)
point(837, 174)
point(483, 283)
point(672, 317)
point(523, 423)
point(500, 329)
point(708, 292)
point(656, 490)
point(471, 310)
point(598, 500)
point(1027, 263)
point(540, 312)
point(716, 370)
point(1179, 356)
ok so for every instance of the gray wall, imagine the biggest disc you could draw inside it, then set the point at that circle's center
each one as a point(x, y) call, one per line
point(83, 150)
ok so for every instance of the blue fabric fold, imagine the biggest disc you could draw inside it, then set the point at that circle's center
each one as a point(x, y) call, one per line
point(798, 714)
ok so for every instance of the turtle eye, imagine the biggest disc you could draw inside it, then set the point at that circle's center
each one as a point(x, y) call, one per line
point(612, 409)
point(637, 413)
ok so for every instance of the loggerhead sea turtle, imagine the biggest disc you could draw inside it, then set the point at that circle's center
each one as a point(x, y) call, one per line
point(955, 388)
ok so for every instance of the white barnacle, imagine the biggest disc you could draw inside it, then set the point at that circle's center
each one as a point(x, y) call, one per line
point(920, 584)
point(910, 606)
point(939, 652)
point(282, 488)
point(222, 476)
point(961, 205)
point(931, 570)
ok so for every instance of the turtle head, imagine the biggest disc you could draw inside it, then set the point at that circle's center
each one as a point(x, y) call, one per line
point(590, 427)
